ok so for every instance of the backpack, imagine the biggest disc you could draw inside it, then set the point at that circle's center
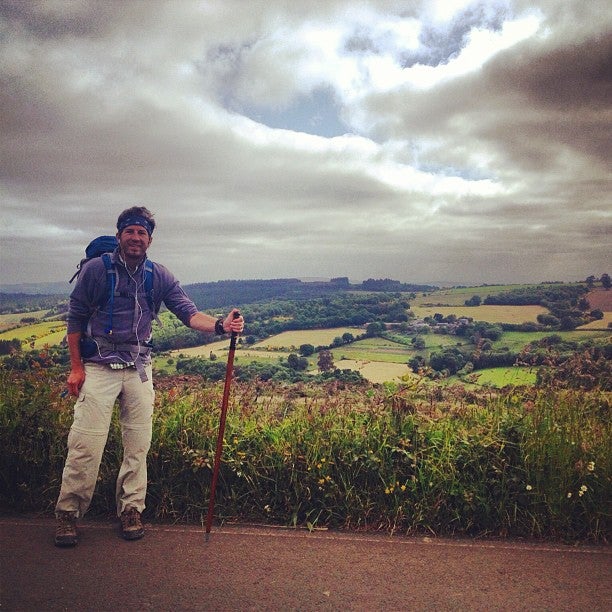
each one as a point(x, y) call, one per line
point(96, 248)
point(102, 246)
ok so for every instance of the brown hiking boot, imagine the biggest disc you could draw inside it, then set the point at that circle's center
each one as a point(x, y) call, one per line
point(131, 525)
point(66, 531)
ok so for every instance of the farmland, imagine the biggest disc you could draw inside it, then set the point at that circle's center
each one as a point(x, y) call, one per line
point(37, 335)
point(379, 358)
point(14, 320)
point(491, 314)
point(316, 337)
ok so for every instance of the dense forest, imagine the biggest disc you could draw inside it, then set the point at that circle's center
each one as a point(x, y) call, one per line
point(227, 293)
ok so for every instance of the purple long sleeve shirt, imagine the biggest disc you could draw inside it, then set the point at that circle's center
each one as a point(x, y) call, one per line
point(132, 315)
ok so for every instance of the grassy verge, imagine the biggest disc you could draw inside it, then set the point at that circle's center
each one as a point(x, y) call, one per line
point(522, 461)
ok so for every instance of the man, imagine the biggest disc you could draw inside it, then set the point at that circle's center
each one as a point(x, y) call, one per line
point(110, 357)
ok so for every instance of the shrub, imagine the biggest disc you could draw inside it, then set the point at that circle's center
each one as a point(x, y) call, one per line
point(412, 458)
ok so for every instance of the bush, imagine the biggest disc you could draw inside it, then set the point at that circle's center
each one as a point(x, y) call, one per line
point(419, 458)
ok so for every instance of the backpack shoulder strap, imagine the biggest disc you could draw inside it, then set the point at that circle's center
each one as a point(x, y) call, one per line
point(148, 282)
point(111, 285)
point(149, 267)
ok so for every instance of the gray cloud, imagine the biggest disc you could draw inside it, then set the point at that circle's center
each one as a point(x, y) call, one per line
point(491, 172)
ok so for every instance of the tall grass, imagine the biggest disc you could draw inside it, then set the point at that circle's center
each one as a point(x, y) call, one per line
point(519, 462)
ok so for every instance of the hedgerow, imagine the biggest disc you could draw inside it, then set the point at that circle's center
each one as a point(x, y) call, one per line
point(409, 458)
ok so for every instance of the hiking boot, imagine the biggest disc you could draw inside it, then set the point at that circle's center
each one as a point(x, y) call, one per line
point(131, 525)
point(65, 530)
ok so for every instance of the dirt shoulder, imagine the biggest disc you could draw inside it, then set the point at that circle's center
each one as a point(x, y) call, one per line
point(250, 568)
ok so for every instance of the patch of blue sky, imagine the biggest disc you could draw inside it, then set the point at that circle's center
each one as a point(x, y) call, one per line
point(316, 114)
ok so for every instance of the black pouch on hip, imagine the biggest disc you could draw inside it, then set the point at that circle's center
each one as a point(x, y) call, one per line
point(89, 347)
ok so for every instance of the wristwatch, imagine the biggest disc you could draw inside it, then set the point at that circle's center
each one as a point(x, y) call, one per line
point(219, 326)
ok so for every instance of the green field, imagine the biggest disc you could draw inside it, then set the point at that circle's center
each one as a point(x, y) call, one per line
point(375, 371)
point(38, 335)
point(456, 296)
point(515, 341)
point(491, 314)
point(291, 340)
point(374, 349)
point(13, 320)
point(501, 377)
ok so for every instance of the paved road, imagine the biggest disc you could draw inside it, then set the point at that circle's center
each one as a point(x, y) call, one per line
point(250, 568)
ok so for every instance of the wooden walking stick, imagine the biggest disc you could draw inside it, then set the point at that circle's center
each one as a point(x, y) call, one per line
point(226, 389)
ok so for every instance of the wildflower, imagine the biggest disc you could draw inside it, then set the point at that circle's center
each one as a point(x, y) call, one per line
point(267, 508)
point(569, 495)
point(584, 488)
point(321, 481)
point(387, 491)
point(323, 460)
point(529, 487)
point(403, 487)
point(591, 466)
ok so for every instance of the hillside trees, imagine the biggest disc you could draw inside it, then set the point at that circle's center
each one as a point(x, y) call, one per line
point(450, 360)
point(325, 361)
point(538, 295)
point(297, 363)
point(306, 350)
point(10, 346)
point(336, 310)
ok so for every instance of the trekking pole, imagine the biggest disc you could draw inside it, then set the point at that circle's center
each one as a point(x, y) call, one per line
point(226, 389)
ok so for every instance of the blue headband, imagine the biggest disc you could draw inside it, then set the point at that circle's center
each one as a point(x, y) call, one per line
point(135, 220)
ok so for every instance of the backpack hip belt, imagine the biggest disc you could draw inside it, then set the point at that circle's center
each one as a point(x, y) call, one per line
point(139, 349)
point(135, 350)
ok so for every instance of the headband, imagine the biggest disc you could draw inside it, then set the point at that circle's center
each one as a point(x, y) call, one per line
point(135, 220)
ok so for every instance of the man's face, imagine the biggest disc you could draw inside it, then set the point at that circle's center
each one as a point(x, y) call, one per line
point(134, 241)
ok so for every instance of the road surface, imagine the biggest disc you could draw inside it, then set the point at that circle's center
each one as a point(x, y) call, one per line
point(174, 568)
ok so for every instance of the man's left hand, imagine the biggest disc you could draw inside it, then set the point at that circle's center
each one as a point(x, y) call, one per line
point(233, 323)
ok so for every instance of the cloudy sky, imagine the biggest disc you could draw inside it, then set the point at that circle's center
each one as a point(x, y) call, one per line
point(427, 141)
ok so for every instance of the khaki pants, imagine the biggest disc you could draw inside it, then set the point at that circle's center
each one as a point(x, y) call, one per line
point(89, 432)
